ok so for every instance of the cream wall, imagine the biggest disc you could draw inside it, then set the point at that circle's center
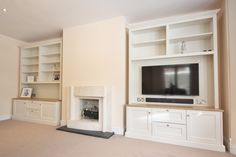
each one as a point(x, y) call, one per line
point(232, 57)
point(9, 65)
point(228, 72)
point(95, 54)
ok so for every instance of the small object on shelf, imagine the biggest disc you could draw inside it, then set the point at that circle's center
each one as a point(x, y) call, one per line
point(182, 47)
point(26, 92)
point(56, 76)
point(210, 50)
point(33, 95)
point(30, 78)
point(204, 50)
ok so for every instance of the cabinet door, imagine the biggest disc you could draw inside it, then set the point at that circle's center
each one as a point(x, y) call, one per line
point(19, 109)
point(33, 110)
point(50, 111)
point(138, 120)
point(204, 127)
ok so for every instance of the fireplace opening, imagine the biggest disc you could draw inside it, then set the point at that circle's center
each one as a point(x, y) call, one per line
point(90, 109)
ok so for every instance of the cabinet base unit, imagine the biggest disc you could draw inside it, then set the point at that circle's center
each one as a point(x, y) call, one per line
point(37, 111)
point(198, 128)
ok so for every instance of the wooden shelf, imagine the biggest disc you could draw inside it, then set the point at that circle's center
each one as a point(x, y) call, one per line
point(175, 56)
point(53, 62)
point(50, 71)
point(31, 64)
point(44, 82)
point(50, 54)
point(152, 42)
point(29, 72)
point(30, 57)
point(192, 37)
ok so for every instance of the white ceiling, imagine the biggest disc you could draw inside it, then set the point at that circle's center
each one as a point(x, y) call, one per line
point(34, 20)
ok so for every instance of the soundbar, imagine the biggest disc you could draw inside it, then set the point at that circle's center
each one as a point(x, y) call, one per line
point(168, 100)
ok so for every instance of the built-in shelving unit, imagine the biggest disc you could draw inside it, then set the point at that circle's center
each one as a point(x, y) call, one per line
point(193, 120)
point(176, 40)
point(42, 62)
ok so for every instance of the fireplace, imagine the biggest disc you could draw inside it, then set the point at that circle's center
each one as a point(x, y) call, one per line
point(88, 109)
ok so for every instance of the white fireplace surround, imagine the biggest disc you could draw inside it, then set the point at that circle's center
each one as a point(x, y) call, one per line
point(77, 94)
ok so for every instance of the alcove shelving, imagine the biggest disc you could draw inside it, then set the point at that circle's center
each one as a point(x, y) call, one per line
point(40, 69)
point(176, 40)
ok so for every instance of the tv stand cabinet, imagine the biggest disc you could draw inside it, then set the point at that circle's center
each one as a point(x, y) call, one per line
point(198, 127)
point(160, 42)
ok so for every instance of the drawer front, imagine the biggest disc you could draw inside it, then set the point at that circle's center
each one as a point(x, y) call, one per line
point(34, 110)
point(168, 116)
point(35, 106)
point(34, 113)
point(167, 130)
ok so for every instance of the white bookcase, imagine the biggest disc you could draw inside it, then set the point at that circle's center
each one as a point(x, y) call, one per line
point(181, 39)
point(42, 62)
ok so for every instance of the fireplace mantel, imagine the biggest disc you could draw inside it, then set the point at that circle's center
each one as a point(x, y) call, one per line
point(75, 118)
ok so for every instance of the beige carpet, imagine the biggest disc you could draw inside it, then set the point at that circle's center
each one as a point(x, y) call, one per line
point(21, 139)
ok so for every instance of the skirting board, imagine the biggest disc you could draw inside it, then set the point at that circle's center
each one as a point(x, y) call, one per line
point(231, 148)
point(220, 148)
point(118, 131)
point(5, 117)
point(63, 123)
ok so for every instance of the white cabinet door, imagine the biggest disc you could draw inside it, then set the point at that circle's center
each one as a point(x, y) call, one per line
point(138, 120)
point(50, 111)
point(19, 109)
point(33, 110)
point(204, 127)
point(169, 131)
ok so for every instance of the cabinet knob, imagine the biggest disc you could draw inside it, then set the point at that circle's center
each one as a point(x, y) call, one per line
point(188, 115)
point(167, 125)
point(167, 110)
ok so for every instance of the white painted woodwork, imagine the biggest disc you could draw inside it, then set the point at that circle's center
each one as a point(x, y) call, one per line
point(42, 61)
point(138, 121)
point(204, 127)
point(202, 130)
point(20, 109)
point(169, 116)
point(169, 130)
point(37, 111)
point(157, 42)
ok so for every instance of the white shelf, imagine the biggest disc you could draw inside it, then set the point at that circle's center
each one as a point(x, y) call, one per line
point(43, 82)
point(31, 64)
point(30, 57)
point(53, 62)
point(192, 37)
point(174, 56)
point(28, 72)
point(43, 63)
point(50, 54)
point(50, 71)
point(160, 41)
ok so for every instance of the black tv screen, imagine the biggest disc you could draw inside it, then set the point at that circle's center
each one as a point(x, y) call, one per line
point(179, 79)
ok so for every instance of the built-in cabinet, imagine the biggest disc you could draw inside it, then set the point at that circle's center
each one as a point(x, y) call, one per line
point(187, 127)
point(40, 69)
point(38, 111)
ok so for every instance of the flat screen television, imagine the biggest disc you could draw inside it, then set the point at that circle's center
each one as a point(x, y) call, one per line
point(179, 79)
